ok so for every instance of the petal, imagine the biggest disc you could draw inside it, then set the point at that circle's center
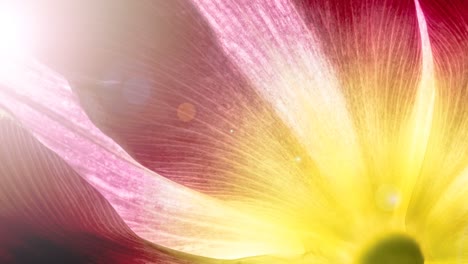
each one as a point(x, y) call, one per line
point(447, 155)
point(153, 207)
point(441, 194)
point(375, 48)
point(187, 112)
point(418, 128)
point(448, 219)
point(396, 99)
point(283, 59)
point(382, 54)
point(49, 214)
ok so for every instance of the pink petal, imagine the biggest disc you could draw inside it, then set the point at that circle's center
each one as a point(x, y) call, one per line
point(284, 60)
point(153, 207)
point(49, 214)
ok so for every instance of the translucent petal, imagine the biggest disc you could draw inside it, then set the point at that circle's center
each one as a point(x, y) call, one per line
point(155, 208)
point(49, 214)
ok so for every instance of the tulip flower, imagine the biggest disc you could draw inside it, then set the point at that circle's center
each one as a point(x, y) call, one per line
point(222, 131)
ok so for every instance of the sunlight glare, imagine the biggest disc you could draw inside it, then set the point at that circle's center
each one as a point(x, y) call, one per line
point(15, 36)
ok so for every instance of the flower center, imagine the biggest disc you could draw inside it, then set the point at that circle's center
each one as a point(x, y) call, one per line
point(394, 249)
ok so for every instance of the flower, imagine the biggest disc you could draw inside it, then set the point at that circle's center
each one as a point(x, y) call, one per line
point(267, 131)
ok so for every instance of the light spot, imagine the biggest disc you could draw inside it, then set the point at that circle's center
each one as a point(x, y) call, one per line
point(4, 115)
point(387, 197)
point(298, 159)
point(17, 35)
point(110, 83)
point(112, 80)
point(186, 112)
point(231, 130)
point(137, 90)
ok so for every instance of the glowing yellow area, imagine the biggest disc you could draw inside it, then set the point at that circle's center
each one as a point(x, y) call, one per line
point(353, 201)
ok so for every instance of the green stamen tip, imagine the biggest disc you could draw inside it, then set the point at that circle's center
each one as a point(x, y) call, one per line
point(396, 249)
